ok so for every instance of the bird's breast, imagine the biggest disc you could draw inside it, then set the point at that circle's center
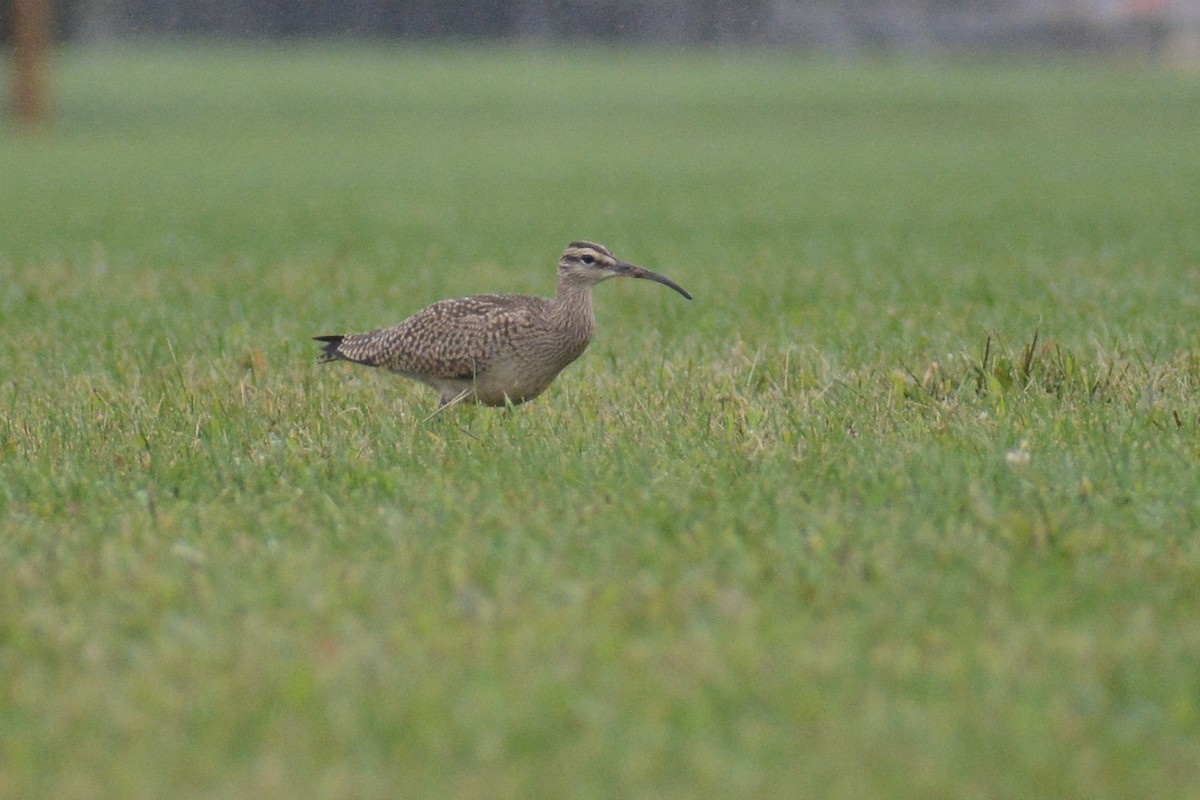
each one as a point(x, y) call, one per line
point(524, 370)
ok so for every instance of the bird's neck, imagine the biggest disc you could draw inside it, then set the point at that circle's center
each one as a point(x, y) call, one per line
point(573, 309)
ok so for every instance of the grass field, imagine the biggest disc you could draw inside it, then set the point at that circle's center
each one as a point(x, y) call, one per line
point(904, 504)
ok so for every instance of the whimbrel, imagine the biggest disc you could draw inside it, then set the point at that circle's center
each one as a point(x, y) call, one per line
point(494, 349)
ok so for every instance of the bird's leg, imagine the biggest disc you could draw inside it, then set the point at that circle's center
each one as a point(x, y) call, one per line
point(453, 401)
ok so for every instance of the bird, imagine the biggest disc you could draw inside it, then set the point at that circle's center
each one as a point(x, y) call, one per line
point(494, 349)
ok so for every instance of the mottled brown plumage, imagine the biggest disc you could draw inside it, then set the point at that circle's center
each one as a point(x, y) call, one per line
point(494, 348)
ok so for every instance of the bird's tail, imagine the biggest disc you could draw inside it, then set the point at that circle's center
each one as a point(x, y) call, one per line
point(331, 345)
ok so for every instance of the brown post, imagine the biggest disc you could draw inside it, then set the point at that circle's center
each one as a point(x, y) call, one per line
point(30, 46)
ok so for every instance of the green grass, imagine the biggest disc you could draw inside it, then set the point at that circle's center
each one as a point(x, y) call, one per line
point(904, 504)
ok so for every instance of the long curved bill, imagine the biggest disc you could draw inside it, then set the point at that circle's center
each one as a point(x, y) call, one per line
point(645, 274)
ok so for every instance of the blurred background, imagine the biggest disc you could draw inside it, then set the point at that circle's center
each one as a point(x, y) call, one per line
point(845, 26)
point(1169, 28)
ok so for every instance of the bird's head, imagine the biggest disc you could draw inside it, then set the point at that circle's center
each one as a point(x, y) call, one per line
point(589, 263)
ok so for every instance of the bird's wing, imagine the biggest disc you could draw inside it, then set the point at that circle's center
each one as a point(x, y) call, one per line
point(447, 339)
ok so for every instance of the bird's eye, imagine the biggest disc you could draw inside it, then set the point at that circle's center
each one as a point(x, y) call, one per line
point(588, 259)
